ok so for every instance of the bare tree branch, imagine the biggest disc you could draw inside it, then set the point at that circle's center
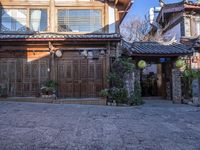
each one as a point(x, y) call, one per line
point(136, 29)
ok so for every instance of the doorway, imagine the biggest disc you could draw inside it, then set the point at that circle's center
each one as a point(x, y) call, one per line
point(152, 81)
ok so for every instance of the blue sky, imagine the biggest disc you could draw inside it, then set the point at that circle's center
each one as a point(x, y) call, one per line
point(141, 7)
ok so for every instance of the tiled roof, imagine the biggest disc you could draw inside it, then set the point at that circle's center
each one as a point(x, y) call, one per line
point(156, 48)
point(4, 36)
point(181, 4)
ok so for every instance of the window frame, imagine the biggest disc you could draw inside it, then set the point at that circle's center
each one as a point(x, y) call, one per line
point(80, 8)
point(27, 8)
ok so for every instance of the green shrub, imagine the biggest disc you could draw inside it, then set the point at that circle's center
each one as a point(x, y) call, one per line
point(136, 97)
point(49, 87)
point(119, 69)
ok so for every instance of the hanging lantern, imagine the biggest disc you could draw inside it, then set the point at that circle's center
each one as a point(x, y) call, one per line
point(142, 64)
point(180, 63)
point(58, 53)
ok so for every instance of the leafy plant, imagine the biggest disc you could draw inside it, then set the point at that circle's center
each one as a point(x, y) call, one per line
point(119, 94)
point(114, 79)
point(49, 87)
point(136, 97)
point(104, 93)
point(119, 69)
point(188, 76)
point(192, 74)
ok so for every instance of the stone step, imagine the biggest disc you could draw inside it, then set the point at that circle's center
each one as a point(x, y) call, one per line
point(85, 101)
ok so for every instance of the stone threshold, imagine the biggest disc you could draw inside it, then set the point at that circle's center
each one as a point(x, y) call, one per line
point(85, 101)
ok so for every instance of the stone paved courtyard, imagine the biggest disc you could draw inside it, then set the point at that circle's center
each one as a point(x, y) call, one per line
point(154, 126)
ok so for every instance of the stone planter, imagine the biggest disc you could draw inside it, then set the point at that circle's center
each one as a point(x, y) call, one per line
point(103, 100)
point(52, 96)
point(112, 104)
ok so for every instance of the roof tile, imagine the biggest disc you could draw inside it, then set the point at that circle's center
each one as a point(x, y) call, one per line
point(156, 48)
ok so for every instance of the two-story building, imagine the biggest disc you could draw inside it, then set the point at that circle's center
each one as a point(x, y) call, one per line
point(69, 41)
point(181, 21)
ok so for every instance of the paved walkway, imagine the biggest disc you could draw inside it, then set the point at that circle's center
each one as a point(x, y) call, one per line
point(153, 126)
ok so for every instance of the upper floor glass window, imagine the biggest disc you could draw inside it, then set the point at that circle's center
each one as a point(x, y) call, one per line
point(83, 20)
point(17, 20)
point(13, 19)
point(38, 20)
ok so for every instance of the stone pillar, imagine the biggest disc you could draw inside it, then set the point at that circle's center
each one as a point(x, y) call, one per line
point(129, 83)
point(176, 86)
point(196, 92)
point(195, 83)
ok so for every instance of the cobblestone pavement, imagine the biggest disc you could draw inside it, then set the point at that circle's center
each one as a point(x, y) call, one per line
point(154, 126)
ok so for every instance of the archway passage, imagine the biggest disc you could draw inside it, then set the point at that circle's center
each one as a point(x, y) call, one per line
point(156, 79)
point(159, 77)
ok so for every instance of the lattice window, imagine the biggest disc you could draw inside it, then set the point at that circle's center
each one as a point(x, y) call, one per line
point(83, 20)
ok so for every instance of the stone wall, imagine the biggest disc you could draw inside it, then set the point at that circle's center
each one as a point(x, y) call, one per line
point(187, 27)
point(196, 92)
point(129, 81)
point(176, 86)
point(195, 83)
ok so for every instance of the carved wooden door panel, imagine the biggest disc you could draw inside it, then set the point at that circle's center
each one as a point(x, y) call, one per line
point(22, 78)
point(76, 78)
point(65, 78)
point(43, 70)
point(19, 77)
point(95, 77)
point(4, 73)
point(8, 75)
point(27, 79)
point(34, 74)
point(84, 78)
point(80, 77)
point(99, 76)
point(91, 78)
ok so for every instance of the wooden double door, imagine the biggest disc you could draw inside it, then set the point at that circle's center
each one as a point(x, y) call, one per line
point(80, 77)
point(22, 78)
point(77, 77)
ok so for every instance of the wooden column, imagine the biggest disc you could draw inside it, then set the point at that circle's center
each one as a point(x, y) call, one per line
point(160, 80)
point(52, 19)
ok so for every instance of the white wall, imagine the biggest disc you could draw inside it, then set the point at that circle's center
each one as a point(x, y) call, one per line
point(174, 32)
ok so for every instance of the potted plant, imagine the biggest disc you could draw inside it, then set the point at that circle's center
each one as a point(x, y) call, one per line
point(49, 88)
point(104, 95)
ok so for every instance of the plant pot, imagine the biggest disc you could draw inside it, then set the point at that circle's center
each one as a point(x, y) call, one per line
point(50, 93)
